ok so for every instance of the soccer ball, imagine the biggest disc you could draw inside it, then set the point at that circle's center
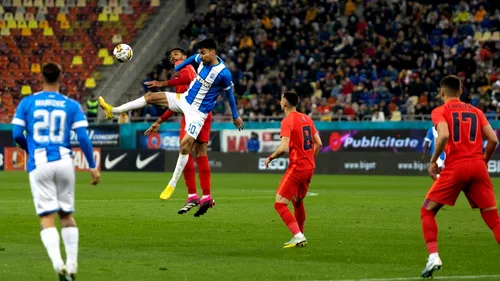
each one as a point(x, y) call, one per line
point(123, 53)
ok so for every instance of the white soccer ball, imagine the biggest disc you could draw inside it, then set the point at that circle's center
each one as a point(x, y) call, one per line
point(123, 53)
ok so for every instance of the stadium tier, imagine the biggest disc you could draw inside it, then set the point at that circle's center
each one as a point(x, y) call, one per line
point(78, 34)
point(350, 60)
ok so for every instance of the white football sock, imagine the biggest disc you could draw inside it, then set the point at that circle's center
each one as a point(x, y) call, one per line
point(50, 239)
point(299, 235)
point(131, 105)
point(181, 163)
point(192, 195)
point(70, 239)
point(433, 256)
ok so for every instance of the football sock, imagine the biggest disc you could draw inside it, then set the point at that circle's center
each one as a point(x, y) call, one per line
point(204, 174)
point(181, 163)
point(493, 221)
point(131, 105)
point(190, 175)
point(287, 218)
point(70, 239)
point(50, 239)
point(430, 229)
point(300, 214)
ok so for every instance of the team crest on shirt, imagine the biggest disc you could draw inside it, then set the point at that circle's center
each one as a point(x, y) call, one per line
point(212, 76)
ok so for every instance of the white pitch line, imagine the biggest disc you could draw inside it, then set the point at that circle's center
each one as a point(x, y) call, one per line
point(139, 200)
point(312, 194)
point(464, 277)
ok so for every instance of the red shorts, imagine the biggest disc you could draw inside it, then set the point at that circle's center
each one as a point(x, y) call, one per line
point(295, 184)
point(204, 136)
point(471, 177)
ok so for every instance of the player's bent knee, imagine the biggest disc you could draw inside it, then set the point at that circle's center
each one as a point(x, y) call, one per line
point(431, 205)
point(200, 149)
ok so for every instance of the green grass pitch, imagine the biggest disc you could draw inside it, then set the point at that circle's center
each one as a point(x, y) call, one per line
point(357, 227)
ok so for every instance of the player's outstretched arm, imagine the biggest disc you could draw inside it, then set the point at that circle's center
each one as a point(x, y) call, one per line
point(492, 139)
point(191, 60)
point(282, 149)
point(185, 77)
point(317, 144)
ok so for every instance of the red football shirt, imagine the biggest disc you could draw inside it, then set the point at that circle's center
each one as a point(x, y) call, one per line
point(465, 123)
point(300, 129)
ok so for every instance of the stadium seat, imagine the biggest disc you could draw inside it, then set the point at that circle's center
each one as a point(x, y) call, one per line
point(48, 31)
point(102, 3)
point(7, 3)
point(40, 17)
point(71, 3)
point(486, 36)
point(496, 36)
point(60, 3)
point(26, 31)
point(90, 83)
point(43, 24)
point(108, 60)
point(117, 39)
point(81, 3)
point(2, 11)
point(66, 46)
point(26, 90)
point(103, 53)
point(64, 25)
point(107, 10)
point(3, 24)
point(22, 24)
point(29, 16)
point(8, 16)
point(102, 17)
point(28, 3)
point(124, 3)
point(17, 3)
point(478, 35)
point(114, 17)
point(49, 3)
point(35, 68)
point(19, 16)
point(32, 24)
point(61, 17)
point(38, 3)
point(20, 10)
point(155, 3)
point(128, 10)
point(11, 24)
point(117, 10)
point(77, 60)
point(5, 32)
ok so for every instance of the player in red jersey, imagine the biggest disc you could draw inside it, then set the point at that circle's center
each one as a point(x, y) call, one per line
point(181, 83)
point(300, 138)
point(461, 129)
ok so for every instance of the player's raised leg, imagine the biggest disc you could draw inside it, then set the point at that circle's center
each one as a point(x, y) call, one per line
point(207, 201)
point(158, 98)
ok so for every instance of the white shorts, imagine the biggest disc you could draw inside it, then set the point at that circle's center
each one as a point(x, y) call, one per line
point(194, 118)
point(53, 187)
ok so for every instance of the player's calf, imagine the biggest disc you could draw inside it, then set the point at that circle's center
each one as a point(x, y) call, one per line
point(491, 218)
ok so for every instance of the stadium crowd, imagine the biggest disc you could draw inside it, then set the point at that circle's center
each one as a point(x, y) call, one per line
point(349, 60)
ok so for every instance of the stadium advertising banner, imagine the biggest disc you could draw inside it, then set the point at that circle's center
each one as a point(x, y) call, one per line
point(373, 140)
point(101, 136)
point(134, 160)
point(16, 159)
point(237, 141)
point(169, 140)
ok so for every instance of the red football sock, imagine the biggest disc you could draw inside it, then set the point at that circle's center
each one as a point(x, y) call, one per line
point(493, 221)
point(287, 217)
point(429, 226)
point(204, 174)
point(300, 214)
point(190, 175)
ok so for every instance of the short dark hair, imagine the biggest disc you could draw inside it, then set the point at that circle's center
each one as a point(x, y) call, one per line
point(451, 83)
point(292, 98)
point(208, 43)
point(178, 49)
point(51, 72)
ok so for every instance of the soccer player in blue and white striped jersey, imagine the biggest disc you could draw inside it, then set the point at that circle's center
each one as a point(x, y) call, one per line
point(48, 117)
point(213, 77)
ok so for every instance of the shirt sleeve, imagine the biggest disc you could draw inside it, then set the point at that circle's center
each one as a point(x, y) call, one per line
point(188, 61)
point(438, 116)
point(20, 115)
point(482, 119)
point(286, 129)
point(429, 136)
point(79, 120)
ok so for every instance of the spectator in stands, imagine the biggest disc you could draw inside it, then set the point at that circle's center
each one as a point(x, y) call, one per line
point(253, 143)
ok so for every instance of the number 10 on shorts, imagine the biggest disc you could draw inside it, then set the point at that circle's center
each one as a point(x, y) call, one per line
point(192, 129)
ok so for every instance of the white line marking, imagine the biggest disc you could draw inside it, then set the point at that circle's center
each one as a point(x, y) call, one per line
point(139, 200)
point(465, 277)
point(312, 194)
